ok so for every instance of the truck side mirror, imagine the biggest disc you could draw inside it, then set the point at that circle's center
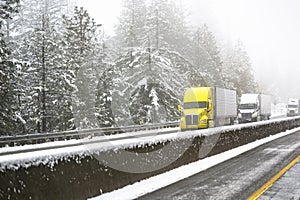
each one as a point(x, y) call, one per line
point(179, 107)
point(209, 106)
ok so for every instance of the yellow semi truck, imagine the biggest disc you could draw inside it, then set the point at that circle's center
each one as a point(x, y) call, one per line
point(205, 107)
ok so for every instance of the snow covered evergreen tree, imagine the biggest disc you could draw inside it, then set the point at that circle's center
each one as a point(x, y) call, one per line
point(179, 35)
point(148, 85)
point(166, 27)
point(40, 42)
point(83, 59)
point(207, 56)
point(158, 24)
point(155, 73)
point(8, 71)
point(238, 71)
point(14, 27)
point(103, 100)
point(36, 41)
point(131, 26)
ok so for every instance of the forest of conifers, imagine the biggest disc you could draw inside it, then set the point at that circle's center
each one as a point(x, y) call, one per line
point(59, 71)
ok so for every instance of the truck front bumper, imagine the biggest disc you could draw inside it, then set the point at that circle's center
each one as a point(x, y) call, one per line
point(245, 120)
point(193, 127)
point(289, 114)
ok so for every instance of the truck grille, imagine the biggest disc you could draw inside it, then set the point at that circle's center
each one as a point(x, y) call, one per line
point(192, 119)
point(246, 115)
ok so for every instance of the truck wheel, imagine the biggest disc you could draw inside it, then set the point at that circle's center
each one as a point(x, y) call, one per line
point(231, 121)
point(259, 118)
point(216, 123)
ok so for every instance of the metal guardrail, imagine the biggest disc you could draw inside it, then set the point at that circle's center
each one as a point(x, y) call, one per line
point(76, 134)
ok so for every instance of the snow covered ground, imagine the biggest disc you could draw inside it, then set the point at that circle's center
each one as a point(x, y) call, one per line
point(154, 183)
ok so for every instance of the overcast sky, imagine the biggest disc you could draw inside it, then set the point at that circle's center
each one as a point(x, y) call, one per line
point(270, 30)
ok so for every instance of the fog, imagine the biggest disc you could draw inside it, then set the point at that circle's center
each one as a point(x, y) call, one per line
point(269, 29)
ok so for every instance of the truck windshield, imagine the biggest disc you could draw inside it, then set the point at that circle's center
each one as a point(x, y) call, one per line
point(248, 106)
point(292, 106)
point(199, 104)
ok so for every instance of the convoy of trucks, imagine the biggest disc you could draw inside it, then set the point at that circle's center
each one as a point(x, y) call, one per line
point(205, 107)
point(293, 107)
point(254, 107)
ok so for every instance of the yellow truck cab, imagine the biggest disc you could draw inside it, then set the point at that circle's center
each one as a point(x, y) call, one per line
point(197, 108)
point(205, 107)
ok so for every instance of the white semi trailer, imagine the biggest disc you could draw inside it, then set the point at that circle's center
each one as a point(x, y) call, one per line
point(254, 107)
point(293, 107)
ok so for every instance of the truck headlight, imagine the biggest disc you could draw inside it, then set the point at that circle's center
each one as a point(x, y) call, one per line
point(254, 114)
point(182, 120)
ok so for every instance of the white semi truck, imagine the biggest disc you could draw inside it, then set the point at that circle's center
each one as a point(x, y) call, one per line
point(293, 107)
point(254, 107)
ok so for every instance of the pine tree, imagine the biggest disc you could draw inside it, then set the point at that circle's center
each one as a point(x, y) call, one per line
point(131, 26)
point(36, 45)
point(207, 56)
point(8, 88)
point(178, 36)
point(158, 23)
point(238, 71)
point(103, 100)
point(166, 27)
point(148, 85)
point(79, 36)
point(83, 58)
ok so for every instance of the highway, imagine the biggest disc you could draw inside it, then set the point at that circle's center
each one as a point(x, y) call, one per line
point(286, 187)
point(243, 175)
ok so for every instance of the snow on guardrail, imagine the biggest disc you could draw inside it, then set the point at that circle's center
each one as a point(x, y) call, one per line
point(49, 153)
